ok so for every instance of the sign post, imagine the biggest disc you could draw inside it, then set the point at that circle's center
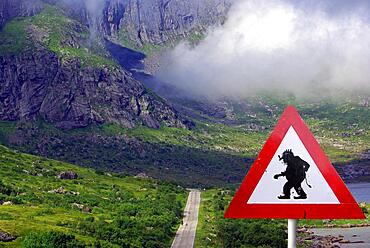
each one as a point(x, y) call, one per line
point(292, 233)
point(293, 179)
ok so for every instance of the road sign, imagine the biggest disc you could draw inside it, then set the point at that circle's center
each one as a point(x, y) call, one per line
point(293, 178)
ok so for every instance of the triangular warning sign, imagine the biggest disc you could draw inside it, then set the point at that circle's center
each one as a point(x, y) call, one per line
point(292, 178)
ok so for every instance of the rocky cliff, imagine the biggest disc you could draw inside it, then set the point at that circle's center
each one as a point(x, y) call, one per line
point(161, 21)
point(57, 74)
point(10, 9)
point(72, 96)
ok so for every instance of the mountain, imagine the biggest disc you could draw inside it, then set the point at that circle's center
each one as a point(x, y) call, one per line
point(139, 23)
point(81, 84)
point(10, 9)
point(74, 86)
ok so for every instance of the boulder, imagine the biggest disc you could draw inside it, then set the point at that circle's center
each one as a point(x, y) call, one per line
point(82, 207)
point(60, 190)
point(6, 237)
point(68, 175)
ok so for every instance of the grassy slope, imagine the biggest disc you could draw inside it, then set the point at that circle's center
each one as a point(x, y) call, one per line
point(53, 28)
point(206, 229)
point(342, 129)
point(218, 153)
point(210, 221)
point(341, 126)
point(35, 209)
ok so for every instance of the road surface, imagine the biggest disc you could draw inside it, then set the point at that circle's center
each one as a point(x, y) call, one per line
point(186, 233)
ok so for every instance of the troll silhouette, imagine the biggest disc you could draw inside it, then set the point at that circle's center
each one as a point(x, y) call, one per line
point(295, 173)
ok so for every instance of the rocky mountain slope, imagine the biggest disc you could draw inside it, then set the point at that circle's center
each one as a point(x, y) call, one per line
point(50, 69)
point(10, 9)
point(69, 95)
point(159, 22)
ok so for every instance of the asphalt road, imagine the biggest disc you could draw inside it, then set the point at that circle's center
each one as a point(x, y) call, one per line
point(186, 233)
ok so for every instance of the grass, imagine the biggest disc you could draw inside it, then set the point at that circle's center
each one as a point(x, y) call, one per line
point(58, 28)
point(147, 48)
point(210, 220)
point(339, 222)
point(216, 137)
point(55, 28)
point(28, 180)
point(215, 231)
point(13, 37)
point(206, 228)
point(124, 38)
point(242, 142)
point(208, 155)
point(7, 127)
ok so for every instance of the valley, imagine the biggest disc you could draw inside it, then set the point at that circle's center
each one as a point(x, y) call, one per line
point(97, 150)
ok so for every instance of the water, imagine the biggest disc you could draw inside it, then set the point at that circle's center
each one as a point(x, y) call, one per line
point(127, 58)
point(360, 191)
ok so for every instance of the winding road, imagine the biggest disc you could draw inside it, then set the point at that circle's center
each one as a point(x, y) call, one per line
point(186, 233)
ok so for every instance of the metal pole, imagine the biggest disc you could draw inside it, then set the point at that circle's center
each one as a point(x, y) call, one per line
point(292, 232)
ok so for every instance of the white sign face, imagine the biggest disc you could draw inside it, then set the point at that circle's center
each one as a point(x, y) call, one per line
point(268, 189)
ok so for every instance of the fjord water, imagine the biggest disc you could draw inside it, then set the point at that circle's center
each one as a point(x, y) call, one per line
point(360, 191)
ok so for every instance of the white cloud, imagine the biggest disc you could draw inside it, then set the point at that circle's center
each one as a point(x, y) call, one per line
point(271, 44)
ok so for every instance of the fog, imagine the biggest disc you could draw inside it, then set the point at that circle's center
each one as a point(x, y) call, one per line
point(92, 10)
point(95, 12)
point(300, 47)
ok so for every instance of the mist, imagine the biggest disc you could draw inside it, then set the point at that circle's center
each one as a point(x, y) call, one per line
point(300, 47)
point(92, 10)
point(95, 13)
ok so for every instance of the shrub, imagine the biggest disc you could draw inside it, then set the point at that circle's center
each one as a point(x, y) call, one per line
point(364, 209)
point(4, 189)
point(51, 239)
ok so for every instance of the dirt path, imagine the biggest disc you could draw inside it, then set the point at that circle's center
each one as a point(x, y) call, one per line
point(186, 233)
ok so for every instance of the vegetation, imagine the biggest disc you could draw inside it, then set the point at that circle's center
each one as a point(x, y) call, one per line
point(210, 154)
point(215, 231)
point(68, 38)
point(13, 37)
point(51, 239)
point(96, 209)
point(321, 223)
point(342, 129)
point(193, 38)
point(147, 48)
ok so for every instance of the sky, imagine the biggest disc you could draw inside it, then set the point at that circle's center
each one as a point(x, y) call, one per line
point(300, 47)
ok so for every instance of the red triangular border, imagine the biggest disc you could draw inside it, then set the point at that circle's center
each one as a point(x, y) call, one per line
point(347, 209)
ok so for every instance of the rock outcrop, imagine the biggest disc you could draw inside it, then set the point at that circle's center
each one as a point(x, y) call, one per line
point(10, 9)
point(155, 22)
point(67, 175)
point(6, 237)
point(36, 83)
point(39, 83)
point(161, 21)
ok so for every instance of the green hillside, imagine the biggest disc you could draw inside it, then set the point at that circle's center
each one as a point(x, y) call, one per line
point(96, 209)
point(215, 231)
point(209, 154)
point(52, 28)
point(217, 151)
